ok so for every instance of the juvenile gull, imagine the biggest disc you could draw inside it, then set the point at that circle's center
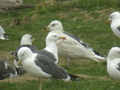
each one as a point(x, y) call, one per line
point(41, 65)
point(115, 23)
point(113, 63)
point(3, 35)
point(73, 47)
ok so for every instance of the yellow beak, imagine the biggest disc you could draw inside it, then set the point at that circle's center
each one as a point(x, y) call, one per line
point(62, 37)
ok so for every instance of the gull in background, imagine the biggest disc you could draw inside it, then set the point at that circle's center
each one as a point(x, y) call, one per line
point(73, 47)
point(41, 65)
point(3, 35)
point(115, 23)
point(113, 63)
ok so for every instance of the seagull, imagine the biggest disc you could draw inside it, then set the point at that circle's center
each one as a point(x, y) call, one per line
point(8, 70)
point(115, 23)
point(113, 63)
point(26, 41)
point(72, 47)
point(3, 35)
point(41, 65)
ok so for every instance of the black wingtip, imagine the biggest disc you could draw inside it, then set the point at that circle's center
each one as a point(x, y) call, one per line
point(74, 77)
point(97, 53)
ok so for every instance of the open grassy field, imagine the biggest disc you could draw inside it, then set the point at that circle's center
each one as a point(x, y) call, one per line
point(87, 19)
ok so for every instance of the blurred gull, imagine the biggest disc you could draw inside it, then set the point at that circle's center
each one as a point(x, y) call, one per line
point(5, 4)
point(115, 23)
point(8, 70)
point(73, 47)
point(3, 35)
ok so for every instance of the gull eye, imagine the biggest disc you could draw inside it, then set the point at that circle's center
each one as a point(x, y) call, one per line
point(53, 25)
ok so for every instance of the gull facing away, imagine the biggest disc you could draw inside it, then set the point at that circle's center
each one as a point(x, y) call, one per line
point(115, 23)
point(3, 35)
point(113, 63)
point(41, 65)
point(73, 47)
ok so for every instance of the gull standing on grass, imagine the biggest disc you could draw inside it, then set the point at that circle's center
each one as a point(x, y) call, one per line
point(73, 47)
point(115, 23)
point(26, 41)
point(41, 65)
point(113, 63)
point(3, 35)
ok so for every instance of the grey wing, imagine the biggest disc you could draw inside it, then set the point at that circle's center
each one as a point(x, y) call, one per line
point(48, 54)
point(2, 31)
point(48, 66)
point(118, 28)
point(77, 39)
point(14, 53)
point(118, 66)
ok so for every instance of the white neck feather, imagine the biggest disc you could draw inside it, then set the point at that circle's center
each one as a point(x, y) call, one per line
point(25, 42)
point(52, 47)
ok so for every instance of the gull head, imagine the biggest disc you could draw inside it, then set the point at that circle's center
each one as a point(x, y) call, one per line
point(55, 26)
point(114, 15)
point(114, 53)
point(26, 39)
point(54, 37)
point(24, 53)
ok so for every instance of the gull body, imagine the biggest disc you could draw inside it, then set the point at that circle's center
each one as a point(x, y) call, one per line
point(72, 47)
point(113, 63)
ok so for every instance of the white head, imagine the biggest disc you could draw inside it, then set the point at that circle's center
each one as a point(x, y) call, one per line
point(55, 26)
point(114, 53)
point(53, 37)
point(26, 39)
point(114, 15)
point(24, 53)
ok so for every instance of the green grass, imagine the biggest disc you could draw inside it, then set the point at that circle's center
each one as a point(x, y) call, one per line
point(86, 19)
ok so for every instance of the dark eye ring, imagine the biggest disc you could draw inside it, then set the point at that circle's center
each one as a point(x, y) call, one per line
point(53, 25)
